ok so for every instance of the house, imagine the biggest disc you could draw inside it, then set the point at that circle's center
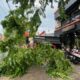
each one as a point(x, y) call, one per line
point(69, 29)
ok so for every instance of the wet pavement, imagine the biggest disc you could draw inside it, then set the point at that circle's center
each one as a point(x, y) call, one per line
point(37, 73)
point(76, 73)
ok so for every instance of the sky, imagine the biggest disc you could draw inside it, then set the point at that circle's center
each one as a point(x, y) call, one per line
point(4, 10)
point(48, 24)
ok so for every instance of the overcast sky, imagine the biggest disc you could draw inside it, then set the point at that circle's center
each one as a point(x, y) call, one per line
point(48, 23)
point(4, 10)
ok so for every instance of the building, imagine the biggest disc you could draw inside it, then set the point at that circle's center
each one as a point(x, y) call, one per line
point(69, 30)
point(50, 39)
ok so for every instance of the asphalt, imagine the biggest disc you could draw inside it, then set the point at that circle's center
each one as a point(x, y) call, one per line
point(37, 73)
point(76, 72)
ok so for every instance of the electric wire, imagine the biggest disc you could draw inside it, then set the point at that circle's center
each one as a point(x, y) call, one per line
point(8, 6)
point(4, 5)
point(3, 10)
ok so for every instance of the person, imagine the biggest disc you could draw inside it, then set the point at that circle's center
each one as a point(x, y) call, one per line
point(27, 40)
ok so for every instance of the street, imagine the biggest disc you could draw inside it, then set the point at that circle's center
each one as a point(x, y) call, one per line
point(39, 74)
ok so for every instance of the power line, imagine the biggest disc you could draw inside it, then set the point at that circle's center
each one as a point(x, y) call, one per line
point(3, 3)
point(2, 9)
point(8, 6)
point(2, 13)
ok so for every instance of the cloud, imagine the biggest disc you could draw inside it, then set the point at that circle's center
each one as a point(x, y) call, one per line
point(1, 29)
point(4, 10)
point(48, 24)
point(37, 4)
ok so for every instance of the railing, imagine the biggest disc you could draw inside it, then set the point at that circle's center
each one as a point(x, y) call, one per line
point(71, 19)
point(66, 21)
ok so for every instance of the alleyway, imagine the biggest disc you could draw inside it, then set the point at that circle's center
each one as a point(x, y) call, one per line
point(39, 74)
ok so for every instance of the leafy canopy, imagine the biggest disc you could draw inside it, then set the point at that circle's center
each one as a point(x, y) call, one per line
point(26, 16)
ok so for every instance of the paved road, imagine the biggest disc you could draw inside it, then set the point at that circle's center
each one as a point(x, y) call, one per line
point(39, 74)
point(76, 74)
point(33, 74)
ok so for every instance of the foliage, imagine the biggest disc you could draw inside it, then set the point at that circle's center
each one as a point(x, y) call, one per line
point(52, 60)
point(18, 59)
point(18, 21)
point(61, 6)
point(61, 67)
point(16, 63)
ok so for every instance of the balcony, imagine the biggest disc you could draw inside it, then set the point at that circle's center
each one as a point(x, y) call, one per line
point(71, 22)
point(74, 18)
point(67, 21)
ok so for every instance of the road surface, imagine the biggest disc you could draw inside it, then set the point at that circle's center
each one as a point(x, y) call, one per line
point(37, 73)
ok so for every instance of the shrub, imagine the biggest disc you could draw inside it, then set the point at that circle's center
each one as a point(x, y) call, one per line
point(18, 62)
